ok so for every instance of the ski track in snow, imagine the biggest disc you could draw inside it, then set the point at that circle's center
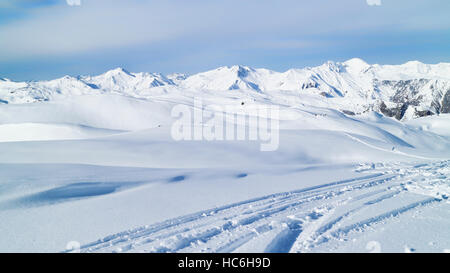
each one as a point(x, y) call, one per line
point(296, 221)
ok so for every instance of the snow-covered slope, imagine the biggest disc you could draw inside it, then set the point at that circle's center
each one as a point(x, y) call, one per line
point(402, 91)
point(94, 157)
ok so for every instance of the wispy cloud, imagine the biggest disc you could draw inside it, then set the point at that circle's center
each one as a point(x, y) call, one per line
point(56, 29)
point(373, 2)
point(9, 4)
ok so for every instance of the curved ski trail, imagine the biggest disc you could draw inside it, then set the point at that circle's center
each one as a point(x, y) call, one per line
point(296, 221)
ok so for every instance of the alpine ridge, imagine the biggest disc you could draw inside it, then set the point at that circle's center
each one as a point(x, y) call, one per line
point(405, 91)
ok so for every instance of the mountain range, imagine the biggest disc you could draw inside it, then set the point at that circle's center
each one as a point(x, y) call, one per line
point(406, 91)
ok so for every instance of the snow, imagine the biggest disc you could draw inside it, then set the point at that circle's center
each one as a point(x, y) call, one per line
point(91, 160)
point(356, 66)
point(411, 70)
point(39, 132)
point(435, 124)
point(352, 85)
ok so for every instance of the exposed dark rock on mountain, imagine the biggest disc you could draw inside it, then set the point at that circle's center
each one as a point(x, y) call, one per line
point(445, 108)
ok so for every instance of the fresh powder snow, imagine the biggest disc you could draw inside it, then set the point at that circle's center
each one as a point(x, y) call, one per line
point(363, 162)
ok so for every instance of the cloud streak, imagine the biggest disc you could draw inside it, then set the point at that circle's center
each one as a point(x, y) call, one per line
point(373, 2)
point(57, 30)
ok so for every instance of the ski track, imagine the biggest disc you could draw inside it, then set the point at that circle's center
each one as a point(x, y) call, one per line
point(295, 221)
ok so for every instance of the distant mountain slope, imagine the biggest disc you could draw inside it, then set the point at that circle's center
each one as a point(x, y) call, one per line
point(402, 91)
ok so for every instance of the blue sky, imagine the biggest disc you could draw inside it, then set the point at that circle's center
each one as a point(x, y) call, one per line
point(45, 39)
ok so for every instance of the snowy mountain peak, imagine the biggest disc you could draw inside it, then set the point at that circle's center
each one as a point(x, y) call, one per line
point(402, 91)
point(116, 72)
point(237, 70)
point(242, 71)
point(223, 78)
point(356, 62)
point(67, 78)
point(413, 63)
point(177, 78)
point(355, 65)
point(333, 66)
point(416, 66)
